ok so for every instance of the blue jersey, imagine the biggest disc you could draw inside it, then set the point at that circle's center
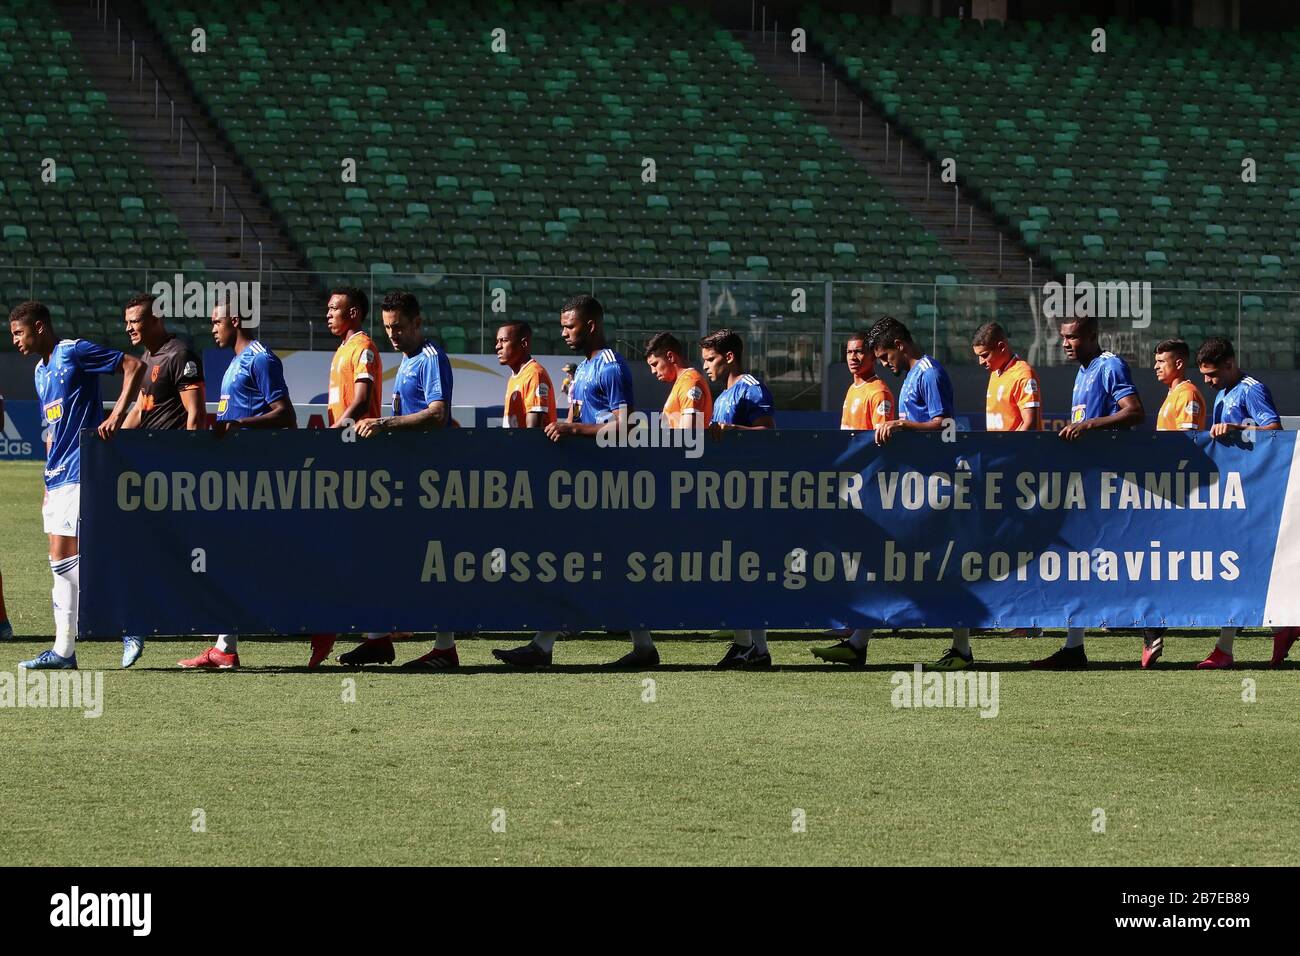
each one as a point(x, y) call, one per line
point(1099, 386)
point(252, 382)
point(68, 387)
point(743, 403)
point(1248, 399)
point(926, 393)
point(422, 379)
point(601, 385)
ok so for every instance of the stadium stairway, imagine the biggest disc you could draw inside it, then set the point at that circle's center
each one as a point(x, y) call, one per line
point(287, 298)
point(965, 231)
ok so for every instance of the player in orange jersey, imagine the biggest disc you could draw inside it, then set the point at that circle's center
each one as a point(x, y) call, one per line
point(356, 377)
point(690, 403)
point(1014, 400)
point(530, 396)
point(1184, 407)
point(869, 400)
point(1182, 410)
point(356, 374)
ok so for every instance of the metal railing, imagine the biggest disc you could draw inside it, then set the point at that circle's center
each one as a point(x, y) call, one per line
point(176, 127)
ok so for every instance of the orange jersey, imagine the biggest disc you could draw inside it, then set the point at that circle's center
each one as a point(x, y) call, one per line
point(1183, 409)
point(690, 403)
point(356, 360)
point(529, 390)
point(1012, 397)
point(866, 405)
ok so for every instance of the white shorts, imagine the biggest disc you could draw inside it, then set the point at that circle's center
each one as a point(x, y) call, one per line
point(62, 510)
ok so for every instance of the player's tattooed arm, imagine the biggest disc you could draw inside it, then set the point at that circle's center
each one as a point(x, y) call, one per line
point(1129, 415)
point(132, 375)
point(434, 416)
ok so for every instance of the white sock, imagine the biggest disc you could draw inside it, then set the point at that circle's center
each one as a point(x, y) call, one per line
point(546, 639)
point(961, 640)
point(642, 640)
point(1226, 635)
point(1074, 636)
point(67, 585)
point(759, 637)
point(743, 638)
point(858, 639)
point(444, 640)
point(228, 643)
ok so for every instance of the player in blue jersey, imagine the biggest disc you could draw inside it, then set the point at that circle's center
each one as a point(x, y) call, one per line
point(1104, 398)
point(601, 396)
point(925, 404)
point(1243, 404)
point(422, 392)
point(67, 382)
point(253, 395)
point(745, 404)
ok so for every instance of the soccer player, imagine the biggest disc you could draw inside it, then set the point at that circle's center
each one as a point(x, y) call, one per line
point(745, 405)
point(355, 389)
point(421, 402)
point(1243, 403)
point(601, 394)
point(356, 372)
point(171, 394)
point(6, 629)
point(253, 395)
point(530, 397)
point(1013, 401)
point(1104, 398)
point(925, 403)
point(690, 403)
point(67, 382)
point(1182, 410)
point(869, 402)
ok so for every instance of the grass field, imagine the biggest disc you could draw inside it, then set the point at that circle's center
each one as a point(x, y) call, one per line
point(285, 771)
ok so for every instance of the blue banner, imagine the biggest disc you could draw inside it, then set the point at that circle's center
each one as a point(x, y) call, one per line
point(300, 532)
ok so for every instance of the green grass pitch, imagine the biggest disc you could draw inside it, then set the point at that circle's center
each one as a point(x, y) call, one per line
point(271, 765)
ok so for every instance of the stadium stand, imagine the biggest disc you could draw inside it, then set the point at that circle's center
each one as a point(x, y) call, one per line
point(529, 163)
point(84, 233)
point(1106, 167)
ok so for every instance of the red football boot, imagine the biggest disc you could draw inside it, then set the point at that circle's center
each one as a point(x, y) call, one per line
point(212, 659)
point(321, 645)
point(435, 660)
point(1216, 660)
point(1283, 638)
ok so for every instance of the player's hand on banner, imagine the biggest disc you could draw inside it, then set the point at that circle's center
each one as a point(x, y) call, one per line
point(109, 426)
point(1073, 430)
point(1222, 430)
point(370, 426)
point(885, 430)
point(220, 429)
point(715, 430)
point(557, 430)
